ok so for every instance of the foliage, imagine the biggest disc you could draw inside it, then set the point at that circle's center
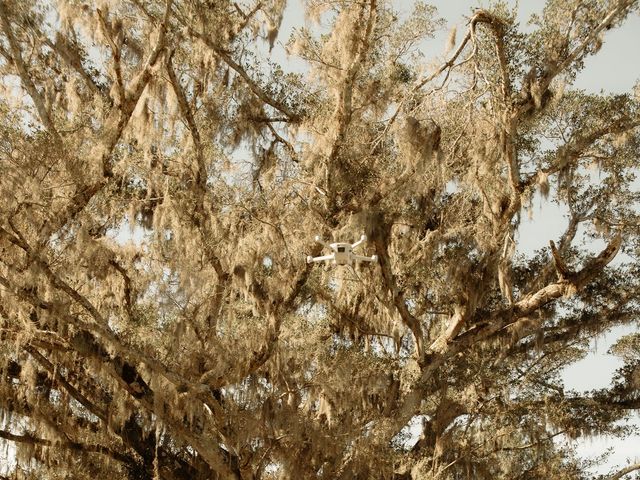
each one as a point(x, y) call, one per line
point(162, 178)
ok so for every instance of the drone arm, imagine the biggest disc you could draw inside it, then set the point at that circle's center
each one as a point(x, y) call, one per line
point(363, 238)
point(362, 258)
point(320, 259)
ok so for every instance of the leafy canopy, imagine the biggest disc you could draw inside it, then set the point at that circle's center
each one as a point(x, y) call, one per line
point(162, 178)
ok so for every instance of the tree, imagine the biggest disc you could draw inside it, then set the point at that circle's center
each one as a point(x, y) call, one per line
point(162, 179)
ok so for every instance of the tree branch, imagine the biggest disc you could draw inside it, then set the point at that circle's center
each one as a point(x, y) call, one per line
point(253, 86)
point(145, 396)
point(497, 28)
point(115, 54)
point(75, 446)
point(74, 392)
point(479, 17)
point(397, 297)
point(138, 84)
point(128, 291)
point(25, 76)
point(434, 360)
point(624, 471)
point(572, 150)
point(72, 59)
point(344, 108)
point(187, 113)
point(114, 125)
point(533, 444)
point(543, 83)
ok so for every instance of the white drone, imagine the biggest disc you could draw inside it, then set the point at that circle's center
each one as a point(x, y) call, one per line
point(342, 253)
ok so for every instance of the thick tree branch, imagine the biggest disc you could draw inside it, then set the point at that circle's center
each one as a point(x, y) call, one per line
point(434, 360)
point(55, 279)
point(131, 434)
point(128, 289)
point(621, 473)
point(39, 338)
point(397, 297)
point(99, 412)
point(497, 27)
point(115, 44)
point(138, 83)
point(533, 301)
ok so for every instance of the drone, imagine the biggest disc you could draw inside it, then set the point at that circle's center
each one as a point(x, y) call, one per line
point(342, 253)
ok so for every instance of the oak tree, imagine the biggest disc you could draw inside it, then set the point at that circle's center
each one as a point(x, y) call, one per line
point(163, 172)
